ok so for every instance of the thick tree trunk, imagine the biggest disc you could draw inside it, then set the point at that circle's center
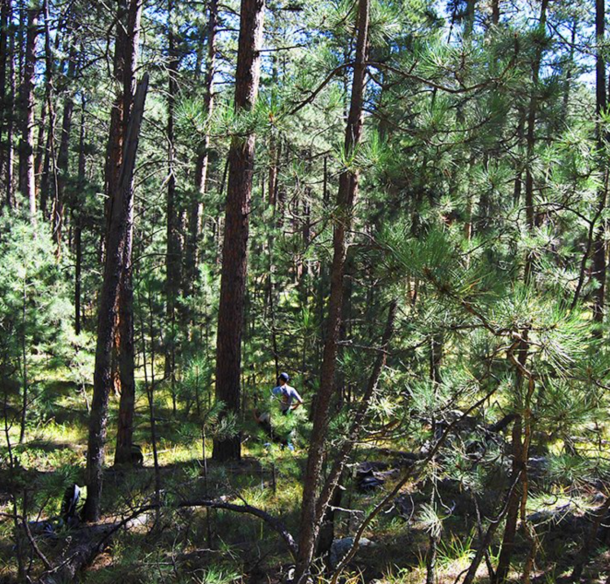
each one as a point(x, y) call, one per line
point(235, 246)
point(27, 182)
point(348, 189)
point(124, 442)
point(128, 17)
point(123, 356)
point(117, 262)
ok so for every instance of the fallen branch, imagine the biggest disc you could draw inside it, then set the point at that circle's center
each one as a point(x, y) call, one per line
point(84, 552)
point(273, 522)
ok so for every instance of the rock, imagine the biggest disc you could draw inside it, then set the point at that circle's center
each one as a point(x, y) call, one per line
point(340, 547)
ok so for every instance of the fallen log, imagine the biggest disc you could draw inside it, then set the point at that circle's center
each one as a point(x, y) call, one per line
point(87, 542)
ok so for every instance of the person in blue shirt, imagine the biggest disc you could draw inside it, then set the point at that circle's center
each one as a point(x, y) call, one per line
point(289, 397)
point(289, 400)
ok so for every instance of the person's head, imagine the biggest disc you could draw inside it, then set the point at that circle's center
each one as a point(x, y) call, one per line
point(283, 378)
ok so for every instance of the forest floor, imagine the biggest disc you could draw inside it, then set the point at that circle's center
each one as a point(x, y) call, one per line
point(216, 546)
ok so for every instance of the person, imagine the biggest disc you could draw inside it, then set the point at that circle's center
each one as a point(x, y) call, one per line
point(289, 400)
point(286, 394)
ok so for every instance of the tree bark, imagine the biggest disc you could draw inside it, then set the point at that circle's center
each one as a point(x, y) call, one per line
point(129, 13)
point(331, 483)
point(117, 262)
point(235, 246)
point(348, 189)
point(124, 442)
point(599, 244)
point(173, 258)
point(570, 68)
point(126, 57)
point(10, 125)
point(512, 512)
point(27, 183)
point(5, 16)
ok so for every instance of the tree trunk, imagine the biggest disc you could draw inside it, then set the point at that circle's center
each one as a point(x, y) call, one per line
point(124, 442)
point(118, 243)
point(78, 224)
point(520, 443)
point(532, 114)
point(469, 18)
point(495, 12)
point(202, 160)
point(331, 484)
point(235, 246)
point(5, 16)
point(599, 244)
point(63, 157)
point(173, 258)
point(45, 150)
point(26, 148)
point(10, 119)
point(41, 148)
point(348, 189)
point(24, 358)
point(570, 68)
point(512, 512)
point(122, 357)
